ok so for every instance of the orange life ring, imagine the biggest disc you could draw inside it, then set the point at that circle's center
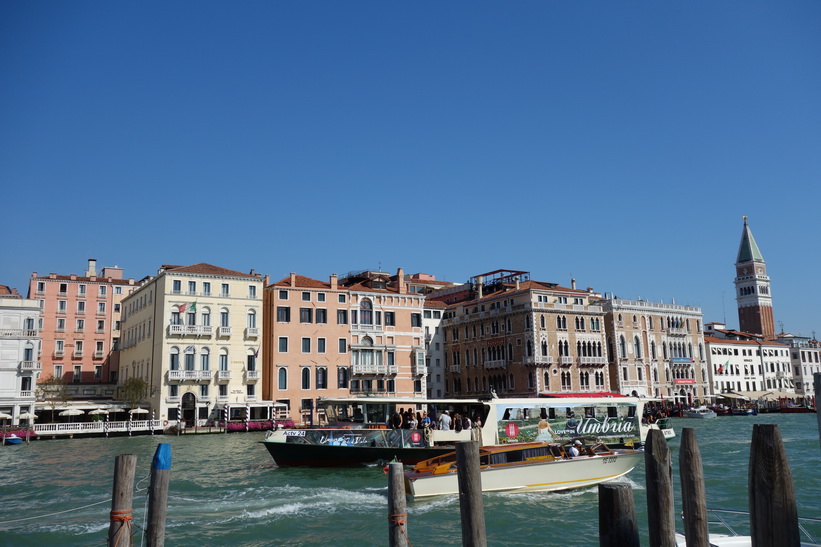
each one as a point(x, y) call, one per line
point(165, 422)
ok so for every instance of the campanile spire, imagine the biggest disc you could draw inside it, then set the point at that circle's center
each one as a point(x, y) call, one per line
point(755, 308)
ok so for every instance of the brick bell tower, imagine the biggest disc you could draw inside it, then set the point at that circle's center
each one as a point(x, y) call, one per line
point(755, 303)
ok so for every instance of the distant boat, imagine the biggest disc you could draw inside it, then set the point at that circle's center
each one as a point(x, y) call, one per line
point(524, 467)
point(665, 425)
point(701, 412)
point(13, 439)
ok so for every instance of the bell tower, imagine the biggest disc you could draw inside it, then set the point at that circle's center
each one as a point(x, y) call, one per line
point(752, 286)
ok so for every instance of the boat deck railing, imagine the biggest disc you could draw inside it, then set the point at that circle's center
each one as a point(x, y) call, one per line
point(722, 518)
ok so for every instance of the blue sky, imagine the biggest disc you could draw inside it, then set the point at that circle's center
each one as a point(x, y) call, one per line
point(617, 143)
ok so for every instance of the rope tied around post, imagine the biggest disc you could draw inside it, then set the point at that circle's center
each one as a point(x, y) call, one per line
point(401, 519)
point(125, 517)
point(121, 516)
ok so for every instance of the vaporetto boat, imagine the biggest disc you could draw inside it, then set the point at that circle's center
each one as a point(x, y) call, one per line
point(524, 467)
point(355, 432)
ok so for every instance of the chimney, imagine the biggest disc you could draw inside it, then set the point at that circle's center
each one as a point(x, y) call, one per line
point(266, 281)
point(572, 283)
point(400, 275)
point(481, 282)
point(334, 282)
point(252, 272)
point(92, 268)
point(293, 279)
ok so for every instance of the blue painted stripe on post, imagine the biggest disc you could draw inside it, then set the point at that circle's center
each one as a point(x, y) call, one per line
point(162, 457)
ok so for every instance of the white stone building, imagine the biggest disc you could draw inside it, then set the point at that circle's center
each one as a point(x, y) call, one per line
point(19, 353)
point(193, 334)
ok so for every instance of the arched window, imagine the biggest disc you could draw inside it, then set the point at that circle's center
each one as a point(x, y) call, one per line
point(637, 343)
point(544, 347)
point(306, 378)
point(223, 364)
point(366, 312)
point(252, 319)
point(189, 358)
point(224, 320)
point(622, 347)
point(541, 321)
point(321, 378)
point(205, 317)
point(510, 352)
point(205, 359)
point(342, 377)
point(282, 378)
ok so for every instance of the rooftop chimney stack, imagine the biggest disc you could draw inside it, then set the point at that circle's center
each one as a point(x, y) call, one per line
point(293, 279)
point(481, 282)
point(400, 275)
point(334, 282)
point(92, 268)
point(572, 283)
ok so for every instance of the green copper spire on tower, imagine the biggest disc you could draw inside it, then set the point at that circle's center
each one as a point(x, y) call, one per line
point(748, 250)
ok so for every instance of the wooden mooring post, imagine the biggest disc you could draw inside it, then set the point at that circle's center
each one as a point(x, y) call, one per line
point(119, 531)
point(618, 526)
point(397, 507)
point(471, 505)
point(693, 493)
point(816, 383)
point(658, 463)
point(158, 495)
point(773, 510)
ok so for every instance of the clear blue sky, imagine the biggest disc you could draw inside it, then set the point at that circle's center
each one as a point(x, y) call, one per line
point(617, 143)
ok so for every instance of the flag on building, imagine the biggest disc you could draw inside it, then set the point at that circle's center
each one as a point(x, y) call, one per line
point(192, 307)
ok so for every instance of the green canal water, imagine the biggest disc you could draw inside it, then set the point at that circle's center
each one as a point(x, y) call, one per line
point(225, 490)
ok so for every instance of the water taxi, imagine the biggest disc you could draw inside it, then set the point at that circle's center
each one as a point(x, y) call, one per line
point(525, 467)
point(357, 431)
point(701, 412)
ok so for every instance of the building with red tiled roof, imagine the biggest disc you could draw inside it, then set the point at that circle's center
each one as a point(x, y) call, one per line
point(356, 335)
point(80, 327)
point(192, 333)
point(744, 363)
point(521, 338)
point(656, 350)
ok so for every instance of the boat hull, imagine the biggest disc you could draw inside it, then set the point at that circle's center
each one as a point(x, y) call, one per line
point(329, 447)
point(532, 477)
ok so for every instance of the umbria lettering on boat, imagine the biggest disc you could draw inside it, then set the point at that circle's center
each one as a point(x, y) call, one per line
point(608, 426)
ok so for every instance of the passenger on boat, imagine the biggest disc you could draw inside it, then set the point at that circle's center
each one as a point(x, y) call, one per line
point(573, 451)
point(444, 421)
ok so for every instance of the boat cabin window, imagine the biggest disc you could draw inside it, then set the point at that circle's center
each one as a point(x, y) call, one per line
point(612, 412)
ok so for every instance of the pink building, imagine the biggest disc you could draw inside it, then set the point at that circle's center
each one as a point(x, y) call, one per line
point(80, 326)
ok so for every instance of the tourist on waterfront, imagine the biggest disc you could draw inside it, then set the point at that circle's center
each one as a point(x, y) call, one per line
point(413, 423)
point(406, 418)
point(466, 424)
point(457, 422)
point(444, 421)
point(425, 421)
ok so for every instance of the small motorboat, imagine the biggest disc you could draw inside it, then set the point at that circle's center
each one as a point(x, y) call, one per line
point(700, 412)
point(13, 439)
point(525, 467)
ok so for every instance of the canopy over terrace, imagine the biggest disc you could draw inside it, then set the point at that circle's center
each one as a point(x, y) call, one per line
point(767, 395)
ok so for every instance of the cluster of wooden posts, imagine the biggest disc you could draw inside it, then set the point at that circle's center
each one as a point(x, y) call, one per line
point(773, 510)
point(120, 532)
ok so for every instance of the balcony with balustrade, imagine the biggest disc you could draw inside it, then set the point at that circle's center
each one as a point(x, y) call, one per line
point(223, 376)
point(455, 368)
point(252, 332)
point(18, 333)
point(252, 375)
point(30, 366)
point(189, 375)
point(565, 360)
point(498, 363)
point(223, 332)
point(420, 370)
point(592, 361)
point(190, 330)
point(538, 360)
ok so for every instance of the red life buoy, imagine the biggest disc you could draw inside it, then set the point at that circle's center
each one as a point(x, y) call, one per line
point(385, 470)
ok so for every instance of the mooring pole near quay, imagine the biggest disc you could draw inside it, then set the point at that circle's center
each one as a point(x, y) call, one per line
point(660, 502)
point(618, 526)
point(773, 509)
point(158, 495)
point(397, 506)
point(119, 531)
point(693, 494)
point(816, 382)
point(471, 506)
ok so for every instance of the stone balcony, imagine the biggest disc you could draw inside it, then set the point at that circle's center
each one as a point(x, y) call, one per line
point(252, 375)
point(499, 363)
point(189, 375)
point(190, 330)
point(539, 360)
point(252, 332)
point(223, 376)
point(30, 366)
